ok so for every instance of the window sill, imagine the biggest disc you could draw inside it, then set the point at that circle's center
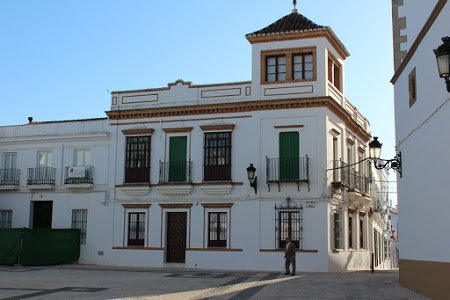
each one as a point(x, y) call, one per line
point(215, 249)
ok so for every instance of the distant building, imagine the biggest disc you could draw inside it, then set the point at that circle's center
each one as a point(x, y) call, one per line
point(164, 180)
point(422, 113)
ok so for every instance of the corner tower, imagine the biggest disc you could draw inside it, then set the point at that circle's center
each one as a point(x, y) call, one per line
point(295, 57)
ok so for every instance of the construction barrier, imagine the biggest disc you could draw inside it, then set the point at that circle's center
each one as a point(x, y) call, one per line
point(37, 247)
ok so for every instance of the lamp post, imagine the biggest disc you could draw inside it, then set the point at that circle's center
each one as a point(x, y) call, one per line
point(251, 171)
point(443, 60)
point(375, 153)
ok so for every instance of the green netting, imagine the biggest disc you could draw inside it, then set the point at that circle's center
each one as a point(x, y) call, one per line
point(49, 246)
point(10, 240)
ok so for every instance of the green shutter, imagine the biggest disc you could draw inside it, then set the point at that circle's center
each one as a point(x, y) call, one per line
point(289, 156)
point(177, 158)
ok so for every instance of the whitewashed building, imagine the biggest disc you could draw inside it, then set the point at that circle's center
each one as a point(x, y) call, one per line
point(169, 167)
point(422, 114)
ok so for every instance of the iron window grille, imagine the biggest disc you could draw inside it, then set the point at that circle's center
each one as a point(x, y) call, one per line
point(361, 233)
point(288, 223)
point(217, 229)
point(79, 221)
point(337, 225)
point(345, 175)
point(217, 156)
point(5, 218)
point(179, 171)
point(137, 159)
point(350, 232)
point(136, 229)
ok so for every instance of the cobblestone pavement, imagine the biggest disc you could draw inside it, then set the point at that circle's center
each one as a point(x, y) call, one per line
point(94, 282)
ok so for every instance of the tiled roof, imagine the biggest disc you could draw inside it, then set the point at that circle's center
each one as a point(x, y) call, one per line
point(293, 22)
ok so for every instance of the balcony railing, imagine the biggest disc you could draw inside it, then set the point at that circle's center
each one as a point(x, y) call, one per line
point(217, 173)
point(292, 169)
point(79, 175)
point(172, 172)
point(9, 177)
point(40, 176)
point(137, 175)
point(347, 176)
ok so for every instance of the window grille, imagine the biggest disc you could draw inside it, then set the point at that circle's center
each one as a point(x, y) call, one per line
point(288, 223)
point(79, 221)
point(217, 229)
point(217, 156)
point(137, 159)
point(136, 229)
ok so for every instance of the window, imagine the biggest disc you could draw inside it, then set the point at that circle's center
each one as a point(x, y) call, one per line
point(337, 230)
point(276, 68)
point(350, 232)
point(79, 221)
point(137, 159)
point(82, 157)
point(217, 229)
point(9, 161)
point(136, 229)
point(303, 66)
point(334, 73)
point(289, 226)
point(289, 149)
point(44, 159)
point(5, 218)
point(361, 233)
point(412, 87)
point(217, 156)
point(335, 160)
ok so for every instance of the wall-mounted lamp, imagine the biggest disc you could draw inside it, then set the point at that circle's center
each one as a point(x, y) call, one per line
point(251, 170)
point(443, 60)
point(375, 153)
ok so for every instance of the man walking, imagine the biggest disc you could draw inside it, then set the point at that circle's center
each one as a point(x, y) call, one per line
point(289, 256)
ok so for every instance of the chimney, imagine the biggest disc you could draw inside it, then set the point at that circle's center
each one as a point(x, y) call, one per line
point(30, 120)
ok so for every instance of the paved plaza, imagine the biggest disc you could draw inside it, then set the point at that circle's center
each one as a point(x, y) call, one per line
point(93, 282)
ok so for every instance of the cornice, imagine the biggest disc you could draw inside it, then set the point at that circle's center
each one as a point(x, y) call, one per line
point(239, 107)
point(178, 129)
point(143, 131)
point(228, 127)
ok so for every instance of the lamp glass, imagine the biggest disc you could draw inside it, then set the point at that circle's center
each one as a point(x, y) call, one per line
point(444, 65)
point(375, 152)
point(251, 172)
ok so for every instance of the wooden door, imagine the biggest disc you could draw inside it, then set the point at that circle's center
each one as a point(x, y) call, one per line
point(176, 237)
point(177, 158)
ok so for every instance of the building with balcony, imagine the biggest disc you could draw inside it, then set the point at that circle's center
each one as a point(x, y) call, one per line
point(169, 183)
point(422, 111)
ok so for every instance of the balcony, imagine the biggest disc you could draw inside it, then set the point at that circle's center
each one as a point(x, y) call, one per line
point(79, 177)
point(346, 176)
point(217, 173)
point(175, 178)
point(294, 169)
point(137, 175)
point(9, 179)
point(41, 178)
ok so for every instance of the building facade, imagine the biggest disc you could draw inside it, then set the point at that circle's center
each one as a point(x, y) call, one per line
point(166, 172)
point(421, 112)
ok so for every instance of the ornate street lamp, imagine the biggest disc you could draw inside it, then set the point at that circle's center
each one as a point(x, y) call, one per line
point(375, 153)
point(251, 170)
point(443, 60)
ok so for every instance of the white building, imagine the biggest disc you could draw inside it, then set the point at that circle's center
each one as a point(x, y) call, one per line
point(170, 166)
point(422, 112)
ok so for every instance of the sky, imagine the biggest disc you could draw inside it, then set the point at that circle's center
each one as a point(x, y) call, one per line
point(60, 59)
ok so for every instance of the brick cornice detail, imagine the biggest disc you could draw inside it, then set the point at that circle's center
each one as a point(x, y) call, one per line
point(238, 107)
point(131, 205)
point(217, 127)
point(144, 131)
point(178, 130)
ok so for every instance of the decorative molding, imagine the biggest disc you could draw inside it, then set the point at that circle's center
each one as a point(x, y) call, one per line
point(351, 211)
point(181, 120)
point(217, 205)
point(184, 205)
point(217, 183)
point(140, 98)
point(206, 109)
point(228, 127)
point(361, 150)
point(288, 126)
point(219, 93)
point(178, 130)
point(334, 131)
point(143, 131)
point(215, 249)
point(434, 14)
point(128, 206)
point(350, 141)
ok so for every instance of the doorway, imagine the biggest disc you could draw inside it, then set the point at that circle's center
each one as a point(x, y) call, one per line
point(42, 214)
point(176, 237)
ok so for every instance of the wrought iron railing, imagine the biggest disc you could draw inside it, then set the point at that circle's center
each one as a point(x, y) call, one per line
point(79, 175)
point(179, 171)
point(293, 169)
point(347, 176)
point(43, 175)
point(217, 172)
point(9, 176)
point(137, 175)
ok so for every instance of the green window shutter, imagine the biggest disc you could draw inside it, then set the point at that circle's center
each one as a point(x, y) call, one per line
point(177, 158)
point(289, 156)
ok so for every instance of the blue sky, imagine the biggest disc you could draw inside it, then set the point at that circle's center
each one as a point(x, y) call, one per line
point(59, 59)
